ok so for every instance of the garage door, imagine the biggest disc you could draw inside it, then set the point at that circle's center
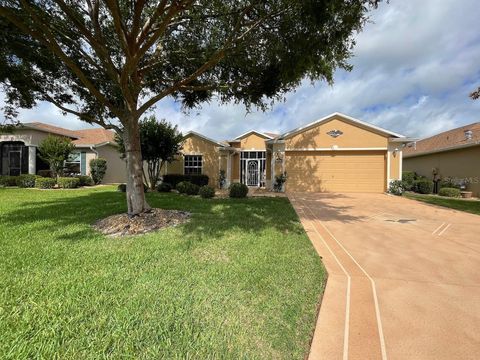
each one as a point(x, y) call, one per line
point(335, 171)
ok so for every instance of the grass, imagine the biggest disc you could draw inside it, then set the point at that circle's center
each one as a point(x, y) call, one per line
point(239, 281)
point(471, 206)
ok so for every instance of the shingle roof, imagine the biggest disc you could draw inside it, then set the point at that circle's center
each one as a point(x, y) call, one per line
point(94, 136)
point(448, 140)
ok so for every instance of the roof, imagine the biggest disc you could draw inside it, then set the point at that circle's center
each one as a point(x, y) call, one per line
point(445, 141)
point(204, 138)
point(343, 116)
point(265, 135)
point(84, 137)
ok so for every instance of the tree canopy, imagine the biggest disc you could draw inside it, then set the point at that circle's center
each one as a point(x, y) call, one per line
point(55, 150)
point(110, 61)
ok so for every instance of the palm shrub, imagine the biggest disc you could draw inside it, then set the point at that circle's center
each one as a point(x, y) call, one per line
point(423, 186)
point(45, 183)
point(207, 192)
point(450, 192)
point(237, 190)
point(98, 168)
point(68, 182)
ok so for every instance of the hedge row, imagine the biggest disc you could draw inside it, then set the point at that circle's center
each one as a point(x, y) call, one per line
point(30, 181)
point(174, 179)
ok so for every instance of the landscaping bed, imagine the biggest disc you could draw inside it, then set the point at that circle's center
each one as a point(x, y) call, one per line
point(470, 205)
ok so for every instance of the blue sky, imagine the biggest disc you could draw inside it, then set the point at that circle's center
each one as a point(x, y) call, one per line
point(413, 68)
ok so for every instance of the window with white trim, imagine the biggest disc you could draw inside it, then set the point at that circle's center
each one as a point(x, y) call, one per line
point(192, 164)
point(72, 165)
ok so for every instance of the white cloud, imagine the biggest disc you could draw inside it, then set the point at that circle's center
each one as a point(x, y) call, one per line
point(414, 66)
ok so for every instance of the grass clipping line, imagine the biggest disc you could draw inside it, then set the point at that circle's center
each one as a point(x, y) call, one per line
point(122, 225)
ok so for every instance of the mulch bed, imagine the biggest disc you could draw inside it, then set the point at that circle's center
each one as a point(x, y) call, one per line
point(122, 225)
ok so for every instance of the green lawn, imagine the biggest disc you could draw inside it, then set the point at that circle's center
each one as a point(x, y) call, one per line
point(471, 206)
point(240, 280)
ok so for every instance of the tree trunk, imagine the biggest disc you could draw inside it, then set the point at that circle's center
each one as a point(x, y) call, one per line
point(135, 192)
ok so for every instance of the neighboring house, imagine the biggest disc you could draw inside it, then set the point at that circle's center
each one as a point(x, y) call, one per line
point(336, 153)
point(454, 153)
point(19, 153)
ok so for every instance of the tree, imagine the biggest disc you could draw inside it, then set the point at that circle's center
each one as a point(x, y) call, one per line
point(55, 150)
point(476, 94)
point(160, 142)
point(109, 61)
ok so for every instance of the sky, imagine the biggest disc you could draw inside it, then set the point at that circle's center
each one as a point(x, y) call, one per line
point(413, 67)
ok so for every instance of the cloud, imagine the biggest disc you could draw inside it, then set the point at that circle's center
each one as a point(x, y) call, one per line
point(414, 65)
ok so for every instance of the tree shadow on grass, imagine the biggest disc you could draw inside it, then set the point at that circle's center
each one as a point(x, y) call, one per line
point(70, 217)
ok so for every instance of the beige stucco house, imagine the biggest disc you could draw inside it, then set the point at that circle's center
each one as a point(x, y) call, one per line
point(19, 154)
point(454, 154)
point(336, 153)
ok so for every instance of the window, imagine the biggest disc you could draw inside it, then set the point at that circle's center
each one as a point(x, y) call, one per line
point(72, 165)
point(193, 164)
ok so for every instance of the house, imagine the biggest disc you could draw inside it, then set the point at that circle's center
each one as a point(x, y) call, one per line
point(337, 153)
point(454, 153)
point(19, 153)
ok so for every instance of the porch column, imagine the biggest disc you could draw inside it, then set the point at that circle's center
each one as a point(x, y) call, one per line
point(229, 168)
point(32, 160)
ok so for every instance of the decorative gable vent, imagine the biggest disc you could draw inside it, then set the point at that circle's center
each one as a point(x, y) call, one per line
point(335, 133)
point(468, 134)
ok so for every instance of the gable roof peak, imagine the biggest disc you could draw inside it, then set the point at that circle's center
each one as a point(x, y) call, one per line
point(265, 135)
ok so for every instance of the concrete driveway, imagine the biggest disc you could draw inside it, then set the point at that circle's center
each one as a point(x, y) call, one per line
point(404, 277)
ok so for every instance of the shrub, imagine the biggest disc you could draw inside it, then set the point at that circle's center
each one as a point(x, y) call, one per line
point(26, 180)
point(396, 187)
point(45, 173)
point(279, 181)
point(45, 183)
point(164, 187)
point(174, 179)
point(8, 180)
point(68, 182)
point(408, 178)
point(237, 190)
point(222, 179)
point(423, 186)
point(448, 183)
point(450, 192)
point(182, 187)
point(122, 188)
point(207, 192)
point(98, 168)
point(84, 180)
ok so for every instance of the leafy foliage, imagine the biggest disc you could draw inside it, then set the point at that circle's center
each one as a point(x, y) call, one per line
point(396, 187)
point(164, 187)
point(98, 168)
point(68, 182)
point(160, 142)
point(206, 192)
point(449, 192)
point(238, 190)
point(7, 180)
point(279, 181)
point(186, 187)
point(449, 183)
point(84, 180)
point(45, 183)
point(174, 179)
point(26, 180)
point(408, 178)
point(55, 150)
point(423, 186)
point(122, 188)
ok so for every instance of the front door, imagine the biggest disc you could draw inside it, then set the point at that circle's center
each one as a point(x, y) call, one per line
point(14, 162)
point(253, 174)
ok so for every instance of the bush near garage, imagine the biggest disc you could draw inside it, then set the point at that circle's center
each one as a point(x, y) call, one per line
point(396, 187)
point(45, 183)
point(164, 187)
point(98, 168)
point(7, 180)
point(448, 183)
point(68, 182)
point(450, 192)
point(84, 180)
point(238, 190)
point(423, 186)
point(207, 192)
point(26, 180)
point(174, 179)
point(408, 179)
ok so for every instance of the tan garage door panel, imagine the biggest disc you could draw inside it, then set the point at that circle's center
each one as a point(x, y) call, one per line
point(336, 171)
